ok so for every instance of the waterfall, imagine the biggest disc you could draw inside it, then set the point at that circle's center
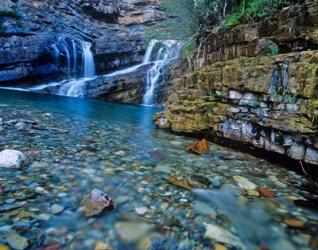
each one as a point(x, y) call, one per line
point(75, 87)
point(148, 54)
point(56, 53)
point(88, 63)
point(168, 52)
point(146, 60)
point(62, 43)
point(75, 65)
point(158, 56)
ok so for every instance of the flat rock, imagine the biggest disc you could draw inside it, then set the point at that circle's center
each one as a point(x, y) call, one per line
point(221, 235)
point(244, 183)
point(141, 210)
point(16, 241)
point(266, 193)
point(102, 246)
point(180, 182)
point(252, 192)
point(294, 223)
point(12, 159)
point(56, 209)
point(132, 231)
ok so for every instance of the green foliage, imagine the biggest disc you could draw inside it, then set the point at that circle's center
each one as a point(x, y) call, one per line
point(273, 92)
point(190, 19)
point(188, 49)
point(210, 108)
point(256, 103)
point(253, 10)
point(290, 98)
point(231, 21)
point(273, 49)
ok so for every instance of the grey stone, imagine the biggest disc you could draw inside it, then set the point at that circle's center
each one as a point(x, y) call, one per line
point(311, 156)
point(296, 151)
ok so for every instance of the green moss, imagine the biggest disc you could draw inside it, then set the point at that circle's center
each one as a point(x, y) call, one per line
point(256, 103)
point(252, 10)
point(188, 49)
point(273, 92)
point(231, 21)
point(312, 109)
point(273, 49)
point(290, 98)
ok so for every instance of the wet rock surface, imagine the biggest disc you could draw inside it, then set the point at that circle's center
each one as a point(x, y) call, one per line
point(233, 92)
point(28, 38)
point(76, 145)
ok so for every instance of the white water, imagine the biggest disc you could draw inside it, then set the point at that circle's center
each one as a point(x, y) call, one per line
point(64, 47)
point(75, 87)
point(146, 60)
point(75, 66)
point(168, 52)
point(148, 54)
point(88, 60)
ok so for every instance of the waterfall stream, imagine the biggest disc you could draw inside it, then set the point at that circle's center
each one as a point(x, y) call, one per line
point(75, 65)
point(75, 87)
point(168, 52)
point(78, 70)
point(62, 43)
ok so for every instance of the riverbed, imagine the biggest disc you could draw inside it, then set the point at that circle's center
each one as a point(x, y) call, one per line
point(76, 145)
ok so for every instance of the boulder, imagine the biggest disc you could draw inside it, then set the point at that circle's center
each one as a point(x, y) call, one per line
point(12, 159)
point(96, 203)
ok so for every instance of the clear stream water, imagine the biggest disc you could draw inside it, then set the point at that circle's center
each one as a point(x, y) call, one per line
point(77, 145)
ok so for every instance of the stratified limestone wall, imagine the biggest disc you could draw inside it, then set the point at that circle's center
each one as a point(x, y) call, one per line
point(238, 92)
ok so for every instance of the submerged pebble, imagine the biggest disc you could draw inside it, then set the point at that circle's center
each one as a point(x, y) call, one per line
point(152, 179)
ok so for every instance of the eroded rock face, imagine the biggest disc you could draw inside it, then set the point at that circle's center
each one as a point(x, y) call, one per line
point(27, 39)
point(238, 92)
point(105, 10)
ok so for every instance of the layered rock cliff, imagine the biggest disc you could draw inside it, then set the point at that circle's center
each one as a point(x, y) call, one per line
point(30, 29)
point(256, 84)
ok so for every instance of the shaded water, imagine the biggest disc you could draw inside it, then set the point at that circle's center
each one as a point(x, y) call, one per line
point(77, 145)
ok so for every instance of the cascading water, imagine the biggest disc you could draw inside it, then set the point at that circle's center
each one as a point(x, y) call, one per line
point(88, 63)
point(75, 87)
point(62, 43)
point(168, 52)
point(148, 54)
point(75, 65)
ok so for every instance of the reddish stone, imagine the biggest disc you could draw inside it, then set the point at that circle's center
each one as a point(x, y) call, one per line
point(54, 246)
point(202, 147)
point(34, 153)
point(97, 226)
point(266, 193)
